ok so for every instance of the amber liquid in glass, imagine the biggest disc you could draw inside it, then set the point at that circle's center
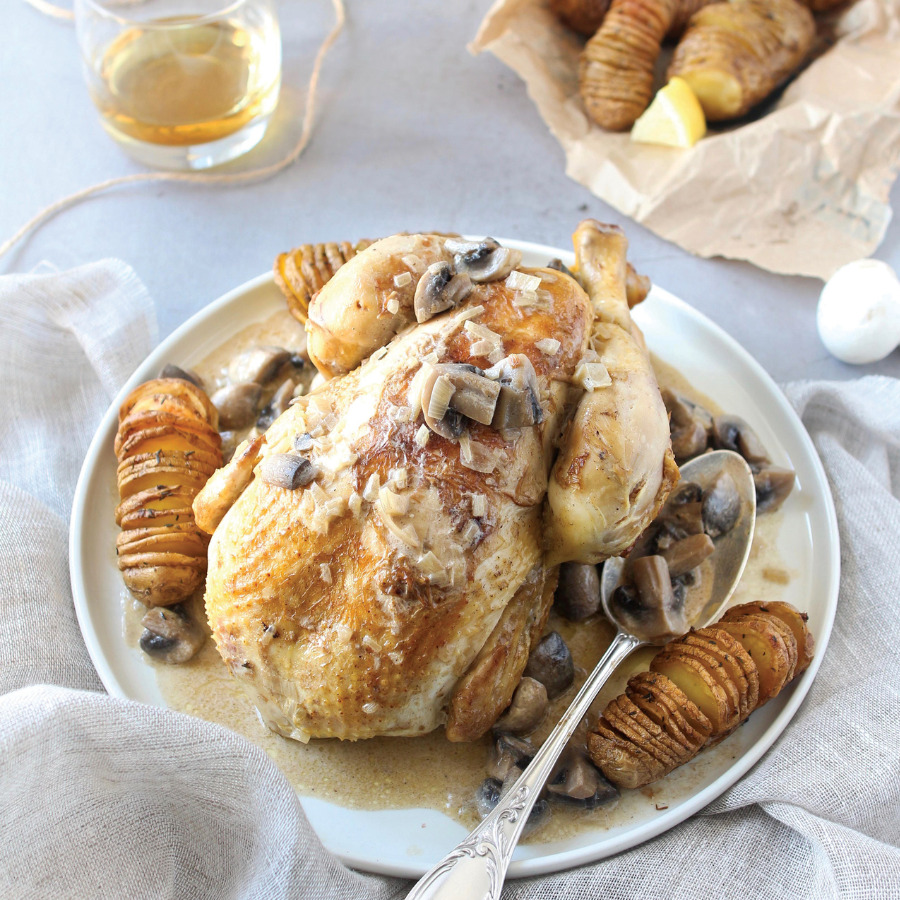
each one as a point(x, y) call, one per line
point(188, 84)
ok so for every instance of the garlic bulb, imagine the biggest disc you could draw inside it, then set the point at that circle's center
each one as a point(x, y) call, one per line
point(859, 312)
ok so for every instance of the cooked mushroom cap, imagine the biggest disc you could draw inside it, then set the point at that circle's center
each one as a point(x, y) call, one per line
point(287, 470)
point(551, 663)
point(577, 781)
point(773, 484)
point(518, 404)
point(527, 709)
point(483, 260)
point(507, 753)
point(721, 506)
point(170, 370)
point(258, 364)
point(733, 433)
point(439, 289)
point(237, 405)
point(578, 591)
point(169, 635)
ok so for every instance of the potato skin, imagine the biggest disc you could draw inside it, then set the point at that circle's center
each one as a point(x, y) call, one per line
point(733, 55)
point(583, 16)
point(616, 68)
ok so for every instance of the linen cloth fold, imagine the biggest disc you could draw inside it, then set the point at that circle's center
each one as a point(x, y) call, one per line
point(106, 798)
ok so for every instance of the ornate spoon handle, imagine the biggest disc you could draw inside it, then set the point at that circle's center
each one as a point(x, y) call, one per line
point(477, 867)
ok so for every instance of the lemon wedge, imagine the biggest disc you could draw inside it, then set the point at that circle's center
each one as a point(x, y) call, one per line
point(674, 118)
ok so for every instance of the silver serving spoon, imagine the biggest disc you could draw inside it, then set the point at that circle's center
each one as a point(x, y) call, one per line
point(477, 867)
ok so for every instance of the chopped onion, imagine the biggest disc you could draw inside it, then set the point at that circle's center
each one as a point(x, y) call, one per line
point(406, 534)
point(410, 260)
point(474, 456)
point(422, 435)
point(441, 393)
point(480, 332)
point(481, 348)
point(496, 355)
point(525, 298)
point(520, 281)
point(592, 375)
point(398, 477)
point(402, 279)
point(471, 533)
point(335, 506)
point(479, 505)
point(393, 304)
point(369, 708)
point(355, 504)
point(415, 388)
point(548, 346)
point(325, 572)
point(394, 504)
point(373, 485)
point(466, 314)
point(430, 358)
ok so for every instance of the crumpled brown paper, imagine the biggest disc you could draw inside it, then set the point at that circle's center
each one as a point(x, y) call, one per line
point(801, 190)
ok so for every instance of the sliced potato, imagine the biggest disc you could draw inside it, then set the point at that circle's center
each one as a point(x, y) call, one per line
point(793, 618)
point(735, 659)
point(676, 750)
point(170, 389)
point(665, 714)
point(148, 518)
point(162, 585)
point(168, 438)
point(698, 684)
point(628, 728)
point(766, 646)
point(194, 460)
point(156, 499)
point(152, 560)
point(717, 668)
point(187, 543)
point(142, 421)
point(790, 642)
point(147, 477)
point(624, 764)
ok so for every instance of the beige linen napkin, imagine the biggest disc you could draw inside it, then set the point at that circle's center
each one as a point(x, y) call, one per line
point(104, 798)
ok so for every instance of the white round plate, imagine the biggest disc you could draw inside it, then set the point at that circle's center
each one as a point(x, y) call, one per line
point(407, 842)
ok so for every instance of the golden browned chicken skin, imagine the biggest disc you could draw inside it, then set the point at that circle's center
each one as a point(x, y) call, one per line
point(403, 586)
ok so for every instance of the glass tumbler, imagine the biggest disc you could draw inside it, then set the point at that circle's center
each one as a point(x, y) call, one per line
point(182, 84)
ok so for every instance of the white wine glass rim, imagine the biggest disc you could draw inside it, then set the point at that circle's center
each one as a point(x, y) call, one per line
point(102, 8)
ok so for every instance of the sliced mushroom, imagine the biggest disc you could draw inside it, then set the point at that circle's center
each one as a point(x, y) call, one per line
point(437, 390)
point(279, 403)
point(551, 663)
point(474, 394)
point(687, 554)
point(507, 753)
point(773, 484)
point(527, 709)
point(287, 470)
point(578, 592)
point(169, 635)
point(439, 289)
point(483, 260)
point(517, 404)
point(237, 405)
point(170, 370)
point(689, 430)
point(733, 433)
point(577, 781)
point(721, 506)
point(303, 442)
point(258, 364)
point(488, 796)
point(649, 606)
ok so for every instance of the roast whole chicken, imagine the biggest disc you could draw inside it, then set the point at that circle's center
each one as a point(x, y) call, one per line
point(384, 557)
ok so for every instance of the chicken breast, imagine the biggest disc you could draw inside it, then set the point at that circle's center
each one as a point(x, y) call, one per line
point(356, 605)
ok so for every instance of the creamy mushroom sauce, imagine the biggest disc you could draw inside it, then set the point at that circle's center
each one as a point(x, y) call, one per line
point(430, 771)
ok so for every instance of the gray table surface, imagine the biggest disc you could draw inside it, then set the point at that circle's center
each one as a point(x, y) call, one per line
point(413, 134)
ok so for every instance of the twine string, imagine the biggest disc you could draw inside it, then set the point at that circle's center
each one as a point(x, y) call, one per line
point(251, 175)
